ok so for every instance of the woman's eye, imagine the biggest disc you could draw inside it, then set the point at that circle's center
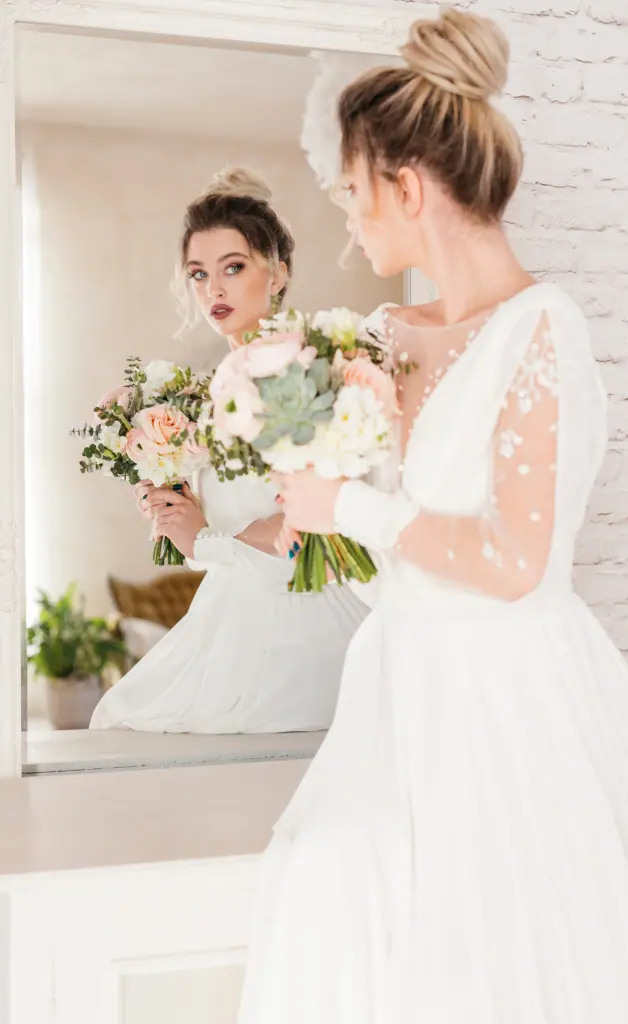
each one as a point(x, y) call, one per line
point(197, 275)
point(234, 268)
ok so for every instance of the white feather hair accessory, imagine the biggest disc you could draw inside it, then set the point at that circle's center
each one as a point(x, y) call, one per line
point(320, 136)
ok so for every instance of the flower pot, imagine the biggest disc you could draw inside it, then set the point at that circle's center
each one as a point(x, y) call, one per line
point(71, 702)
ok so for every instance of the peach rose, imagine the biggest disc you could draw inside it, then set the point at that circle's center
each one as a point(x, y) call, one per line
point(160, 423)
point(362, 373)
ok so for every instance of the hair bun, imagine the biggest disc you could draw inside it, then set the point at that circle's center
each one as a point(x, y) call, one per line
point(460, 53)
point(239, 182)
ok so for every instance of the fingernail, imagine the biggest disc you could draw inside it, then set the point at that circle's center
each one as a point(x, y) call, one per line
point(291, 553)
point(296, 547)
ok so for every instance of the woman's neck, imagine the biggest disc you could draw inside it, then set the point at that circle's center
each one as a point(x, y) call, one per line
point(474, 269)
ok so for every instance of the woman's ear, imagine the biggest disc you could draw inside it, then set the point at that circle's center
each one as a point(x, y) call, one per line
point(280, 279)
point(410, 189)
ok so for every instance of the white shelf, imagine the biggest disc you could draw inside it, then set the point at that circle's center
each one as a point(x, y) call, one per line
point(80, 750)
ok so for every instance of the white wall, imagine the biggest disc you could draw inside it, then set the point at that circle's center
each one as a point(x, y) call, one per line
point(568, 94)
point(110, 207)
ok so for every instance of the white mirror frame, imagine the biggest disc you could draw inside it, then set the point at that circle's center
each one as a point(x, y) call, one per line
point(342, 25)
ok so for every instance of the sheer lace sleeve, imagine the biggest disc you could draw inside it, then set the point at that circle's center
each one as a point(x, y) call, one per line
point(502, 552)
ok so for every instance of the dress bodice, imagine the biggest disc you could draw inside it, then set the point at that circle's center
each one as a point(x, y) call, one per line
point(502, 435)
point(232, 505)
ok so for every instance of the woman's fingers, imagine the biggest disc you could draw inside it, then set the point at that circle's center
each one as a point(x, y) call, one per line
point(288, 543)
point(163, 496)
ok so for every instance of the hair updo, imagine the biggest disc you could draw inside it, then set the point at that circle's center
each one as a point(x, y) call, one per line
point(236, 198)
point(435, 113)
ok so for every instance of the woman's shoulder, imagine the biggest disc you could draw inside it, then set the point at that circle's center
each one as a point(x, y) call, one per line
point(544, 296)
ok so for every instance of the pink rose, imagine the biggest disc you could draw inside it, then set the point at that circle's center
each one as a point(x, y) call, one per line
point(117, 396)
point(138, 446)
point(160, 423)
point(269, 357)
point(362, 373)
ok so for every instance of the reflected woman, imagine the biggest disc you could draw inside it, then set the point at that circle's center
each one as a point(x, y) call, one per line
point(249, 656)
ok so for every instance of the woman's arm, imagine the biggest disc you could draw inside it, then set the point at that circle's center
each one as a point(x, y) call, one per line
point(263, 533)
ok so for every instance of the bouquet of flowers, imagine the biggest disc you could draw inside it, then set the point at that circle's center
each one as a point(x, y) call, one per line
point(306, 391)
point(146, 430)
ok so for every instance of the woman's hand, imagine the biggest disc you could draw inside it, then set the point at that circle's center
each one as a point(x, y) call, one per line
point(308, 501)
point(143, 491)
point(176, 515)
point(289, 542)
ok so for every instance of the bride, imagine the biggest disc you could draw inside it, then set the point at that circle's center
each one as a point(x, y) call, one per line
point(458, 851)
point(249, 656)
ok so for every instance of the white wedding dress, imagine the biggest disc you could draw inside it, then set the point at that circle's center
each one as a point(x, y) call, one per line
point(458, 851)
point(248, 657)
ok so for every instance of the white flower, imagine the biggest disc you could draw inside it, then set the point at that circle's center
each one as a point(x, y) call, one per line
point(287, 457)
point(205, 417)
point(110, 437)
point(285, 322)
point(355, 440)
point(164, 468)
point(159, 372)
point(341, 325)
point(159, 469)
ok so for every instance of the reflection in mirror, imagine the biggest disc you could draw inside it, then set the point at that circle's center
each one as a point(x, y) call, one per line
point(213, 660)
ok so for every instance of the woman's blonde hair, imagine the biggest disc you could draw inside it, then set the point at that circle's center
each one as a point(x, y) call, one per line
point(235, 198)
point(436, 114)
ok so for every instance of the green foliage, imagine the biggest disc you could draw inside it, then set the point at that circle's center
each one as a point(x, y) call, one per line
point(64, 642)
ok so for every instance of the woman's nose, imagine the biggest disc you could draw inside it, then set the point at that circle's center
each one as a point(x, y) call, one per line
point(215, 291)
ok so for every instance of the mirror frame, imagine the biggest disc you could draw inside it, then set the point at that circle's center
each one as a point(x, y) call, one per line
point(340, 25)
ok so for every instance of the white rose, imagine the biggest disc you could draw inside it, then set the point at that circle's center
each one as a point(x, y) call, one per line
point(159, 372)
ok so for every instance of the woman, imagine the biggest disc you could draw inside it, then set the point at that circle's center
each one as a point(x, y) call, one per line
point(248, 656)
point(458, 851)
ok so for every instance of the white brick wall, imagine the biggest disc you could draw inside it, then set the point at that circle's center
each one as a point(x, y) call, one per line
point(568, 94)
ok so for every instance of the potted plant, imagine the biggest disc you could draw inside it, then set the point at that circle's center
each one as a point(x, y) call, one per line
point(71, 652)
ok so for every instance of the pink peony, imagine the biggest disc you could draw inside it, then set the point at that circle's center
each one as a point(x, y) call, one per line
point(362, 373)
point(160, 423)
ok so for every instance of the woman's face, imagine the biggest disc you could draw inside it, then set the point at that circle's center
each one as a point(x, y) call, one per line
point(232, 285)
point(378, 218)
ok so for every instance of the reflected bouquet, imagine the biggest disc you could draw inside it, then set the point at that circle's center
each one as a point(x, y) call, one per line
point(146, 430)
point(306, 391)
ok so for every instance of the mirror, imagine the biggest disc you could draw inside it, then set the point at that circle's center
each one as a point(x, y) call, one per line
point(216, 662)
